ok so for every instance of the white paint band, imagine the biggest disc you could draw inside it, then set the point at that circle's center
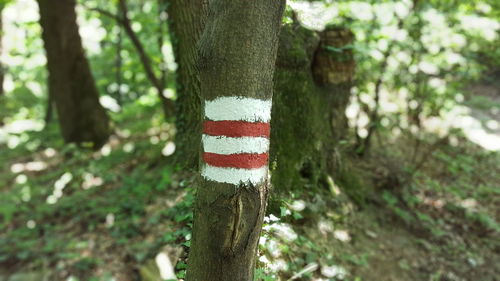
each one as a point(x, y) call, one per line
point(238, 109)
point(233, 175)
point(226, 145)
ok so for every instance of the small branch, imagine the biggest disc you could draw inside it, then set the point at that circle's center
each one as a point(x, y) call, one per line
point(118, 62)
point(167, 105)
point(104, 13)
point(163, 76)
point(378, 86)
point(426, 155)
point(125, 22)
point(146, 62)
point(374, 116)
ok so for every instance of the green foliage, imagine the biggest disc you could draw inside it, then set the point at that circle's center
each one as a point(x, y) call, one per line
point(261, 275)
point(413, 63)
point(127, 198)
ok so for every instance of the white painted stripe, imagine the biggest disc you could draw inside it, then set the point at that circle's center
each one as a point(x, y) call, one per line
point(226, 145)
point(238, 109)
point(233, 175)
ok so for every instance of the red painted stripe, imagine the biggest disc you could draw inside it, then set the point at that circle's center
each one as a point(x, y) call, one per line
point(236, 129)
point(241, 160)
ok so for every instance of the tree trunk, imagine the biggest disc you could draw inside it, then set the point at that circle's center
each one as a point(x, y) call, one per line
point(71, 84)
point(312, 89)
point(237, 60)
point(311, 94)
point(186, 20)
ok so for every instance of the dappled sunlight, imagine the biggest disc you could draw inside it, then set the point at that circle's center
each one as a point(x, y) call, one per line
point(334, 271)
point(59, 186)
point(34, 166)
point(128, 147)
point(165, 266)
point(89, 181)
point(482, 132)
point(31, 224)
point(14, 133)
point(21, 179)
point(342, 235)
point(445, 43)
point(21, 126)
point(15, 15)
point(169, 149)
point(325, 227)
point(469, 203)
point(110, 220)
point(314, 15)
point(417, 202)
point(106, 150)
point(110, 104)
point(282, 230)
point(461, 117)
point(169, 93)
point(91, 31)
point(50, 152)
point(298, 205)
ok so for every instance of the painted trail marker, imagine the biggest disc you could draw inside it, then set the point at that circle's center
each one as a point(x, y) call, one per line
point(236, 140)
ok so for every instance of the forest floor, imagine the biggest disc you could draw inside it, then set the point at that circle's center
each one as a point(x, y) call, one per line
point(124, 212)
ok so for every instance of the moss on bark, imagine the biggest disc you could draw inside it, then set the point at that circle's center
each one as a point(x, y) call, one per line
point(308, 117)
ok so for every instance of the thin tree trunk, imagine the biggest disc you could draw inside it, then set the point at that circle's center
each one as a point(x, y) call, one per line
point(167, 105)
point(71, 84)
point(186, 20)
point(237, 60)
point(125, 22)
point(49, 110)
point(119, 62)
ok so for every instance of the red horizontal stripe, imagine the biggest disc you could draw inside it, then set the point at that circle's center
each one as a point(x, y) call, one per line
point(236, 129)
point(241, 160)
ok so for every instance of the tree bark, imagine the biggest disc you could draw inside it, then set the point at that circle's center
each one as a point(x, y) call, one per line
point(312, 90)
point(71, 84)
point(237, 60)
point(186, 20)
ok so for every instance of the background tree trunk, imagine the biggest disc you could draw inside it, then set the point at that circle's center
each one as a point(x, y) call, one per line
point(312, 89)
point(186, 20)
point(237, 58)
point(71, 85)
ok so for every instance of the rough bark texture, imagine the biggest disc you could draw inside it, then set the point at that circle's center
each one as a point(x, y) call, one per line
point(186, 20)
point(312, 89)
point(237, 58)
point(71, 85)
